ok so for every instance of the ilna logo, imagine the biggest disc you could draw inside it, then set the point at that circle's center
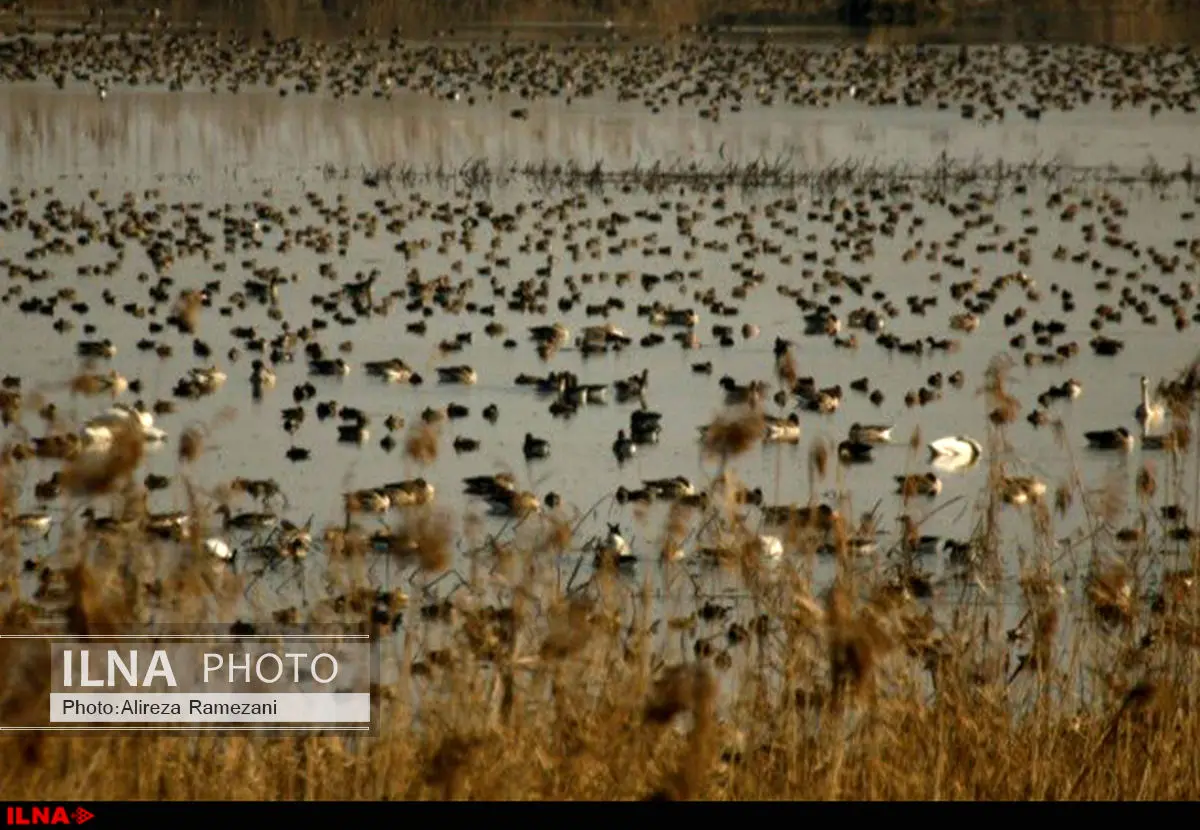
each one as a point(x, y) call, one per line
point(46, 815)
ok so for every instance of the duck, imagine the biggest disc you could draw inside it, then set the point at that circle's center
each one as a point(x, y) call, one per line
point(623, 447)
point(670, 488)
point(488, 486)
point(412, 492)
point(1110, 439)
point(924, 484)
point(1167, 442)
point(218, 548)
point(634, 386)
point(208, 379)
point(554, 335)
point(367, 501)
point(247, 521)
point(643, 495)
point(515, 504)
point(457, 374)
point(736, 393)
point(262, 377)
point(769, 547)
point(959, 554)
point(337, 367)
point(855, 452)
point(392, 371)
point(1149, 413)
point(780, 430)
point(38, 523)
point(913, 541)
point(870, 433)
point(355, 432)
point(97, 432)
point(614, 550)
point(96, 348)
point(1019, 490)
point(535, 447)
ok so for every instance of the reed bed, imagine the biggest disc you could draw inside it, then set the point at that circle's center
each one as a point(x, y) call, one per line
point(519, 684)
point(946, 175)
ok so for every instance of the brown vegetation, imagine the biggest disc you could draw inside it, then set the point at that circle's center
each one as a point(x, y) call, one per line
point(886, 686)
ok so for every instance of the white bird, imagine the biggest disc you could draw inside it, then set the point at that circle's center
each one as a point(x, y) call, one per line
point(954, 452)
point(218, 548)
point(615, 543)
point(98, 430)
point(1149, 413)
point(770, 547)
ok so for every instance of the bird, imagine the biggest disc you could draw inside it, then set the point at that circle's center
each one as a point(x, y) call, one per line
point(457, 374)
point(263, 377)
point(870, 433)
point(954, 452)
point(855, 452)
point(783, 429)
point(623, 447)
point(913, 541)
point(1149, 413)
point(1110, 439)
point(1018, 490)
point(926, 484)
point(770, 547)
point(535, 447)
point(614, 550)
point(218, 548)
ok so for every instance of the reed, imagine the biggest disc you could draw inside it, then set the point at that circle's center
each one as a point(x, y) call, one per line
point(888, 684)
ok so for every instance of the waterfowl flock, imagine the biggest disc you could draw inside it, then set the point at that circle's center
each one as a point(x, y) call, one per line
point(877, 342)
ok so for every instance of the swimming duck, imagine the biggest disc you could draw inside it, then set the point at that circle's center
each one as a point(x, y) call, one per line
point(1019, 490)
point(516, 504)
point(457, 374)
point(913, 541)
point(392, 371)
point(337, 367)
point(670, 488)
point(633, 386)
point(923, 484)
point(855, 452)
point(613, 551)
point(535, 447)
point(411, 492)
point(488, 486)
point(247, 521)
point(1110, 439)
point(262, 377)
point(870, 433)
point(736, 393)
point(781, 430)
point(555, 335)
point(623, 448)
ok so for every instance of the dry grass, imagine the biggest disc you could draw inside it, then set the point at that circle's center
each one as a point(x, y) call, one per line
point(529, 689)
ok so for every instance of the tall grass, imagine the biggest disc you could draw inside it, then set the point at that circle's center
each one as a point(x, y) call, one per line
point(518, 684)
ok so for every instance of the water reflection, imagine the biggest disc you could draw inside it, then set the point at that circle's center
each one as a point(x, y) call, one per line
point(135, 135)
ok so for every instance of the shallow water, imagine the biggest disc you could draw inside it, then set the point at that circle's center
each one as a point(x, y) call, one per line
point(229, 151)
